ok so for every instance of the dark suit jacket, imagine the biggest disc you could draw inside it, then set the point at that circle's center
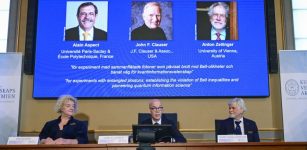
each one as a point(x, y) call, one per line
point(206, 34)
point(175, 132)
point(72, 34)
point(74, 129)
point(250, 129)
point(145, 33)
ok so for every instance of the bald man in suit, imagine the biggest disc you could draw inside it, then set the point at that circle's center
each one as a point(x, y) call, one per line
point(156, 110)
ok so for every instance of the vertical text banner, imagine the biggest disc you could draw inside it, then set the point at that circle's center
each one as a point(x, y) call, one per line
point(293, 76)
point(10, 83)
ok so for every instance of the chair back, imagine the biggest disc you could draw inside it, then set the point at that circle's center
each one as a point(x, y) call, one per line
point(170, 116)
point(217, 127)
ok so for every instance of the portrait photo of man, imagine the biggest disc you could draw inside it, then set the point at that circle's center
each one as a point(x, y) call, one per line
point(84, 22)
point(217, 21)
point(151, 21)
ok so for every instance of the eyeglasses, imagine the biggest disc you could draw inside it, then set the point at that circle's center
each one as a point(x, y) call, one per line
point(156, 108)
point(87, 14)
point(219, 15)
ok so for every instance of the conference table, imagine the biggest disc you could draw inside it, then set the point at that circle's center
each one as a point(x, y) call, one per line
point(168, 146)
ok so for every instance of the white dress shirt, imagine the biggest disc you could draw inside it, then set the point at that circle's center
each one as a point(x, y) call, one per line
point(214, 36)
point(159, 122)
point(90, 34)
point(241, 125)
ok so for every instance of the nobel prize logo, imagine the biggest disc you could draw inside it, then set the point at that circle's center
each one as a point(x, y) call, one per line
point(292, 87)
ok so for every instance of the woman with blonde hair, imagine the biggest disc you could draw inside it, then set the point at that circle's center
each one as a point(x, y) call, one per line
point(65, 129)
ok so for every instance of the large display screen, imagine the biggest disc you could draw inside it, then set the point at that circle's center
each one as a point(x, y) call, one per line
point(139, 49)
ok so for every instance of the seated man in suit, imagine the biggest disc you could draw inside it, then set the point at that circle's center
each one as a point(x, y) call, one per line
point(85, 31)
point(237, 124)
point(156, 109)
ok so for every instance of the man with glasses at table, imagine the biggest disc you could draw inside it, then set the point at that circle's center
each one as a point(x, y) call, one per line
point(236, 123)
point(156, 110)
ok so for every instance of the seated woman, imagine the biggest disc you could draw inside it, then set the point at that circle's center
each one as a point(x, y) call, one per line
point(65, 129)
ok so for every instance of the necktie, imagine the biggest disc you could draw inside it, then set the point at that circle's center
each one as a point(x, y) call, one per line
point(156, 123)
point(218, 36)
point(238, 128)
point(86, 36)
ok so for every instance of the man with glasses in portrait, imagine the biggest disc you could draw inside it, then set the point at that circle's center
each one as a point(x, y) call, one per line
point(156, 110)
point(218, 14)
point(86, 31)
